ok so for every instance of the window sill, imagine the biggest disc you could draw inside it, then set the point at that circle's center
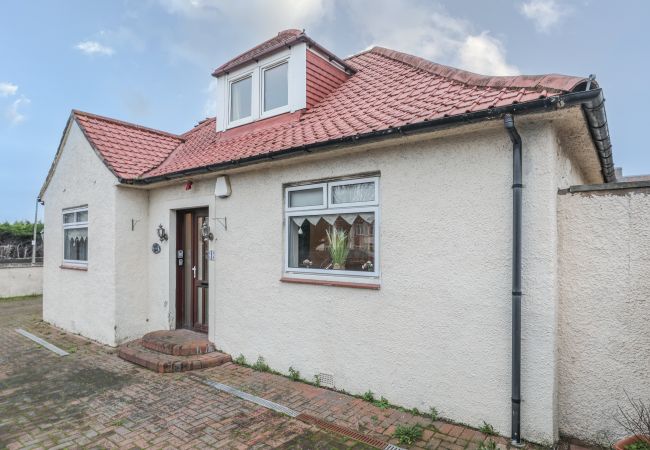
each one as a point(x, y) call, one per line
point(329, 282)
point(71, 267)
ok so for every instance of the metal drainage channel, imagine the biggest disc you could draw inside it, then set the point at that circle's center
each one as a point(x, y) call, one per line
point(377, 443)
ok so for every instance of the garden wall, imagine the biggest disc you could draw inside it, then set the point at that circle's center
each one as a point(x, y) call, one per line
point(20, 279)
point(604, 314)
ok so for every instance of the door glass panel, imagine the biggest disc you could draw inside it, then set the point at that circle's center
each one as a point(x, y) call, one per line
point(187, 269)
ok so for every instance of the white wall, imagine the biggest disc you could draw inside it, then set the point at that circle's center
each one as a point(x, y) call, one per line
point(605, 309)
point(132, 247)
point(438, 331)
point(17, 280)
point(81, 301)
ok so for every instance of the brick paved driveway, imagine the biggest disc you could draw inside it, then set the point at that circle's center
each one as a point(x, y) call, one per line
point(92, 399)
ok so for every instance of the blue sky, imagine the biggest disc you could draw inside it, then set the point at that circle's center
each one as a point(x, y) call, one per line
point(149, 61)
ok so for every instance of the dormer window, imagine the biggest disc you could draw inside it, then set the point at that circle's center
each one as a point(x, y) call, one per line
point(276, 86)
point(241, 96)
point(284, 74)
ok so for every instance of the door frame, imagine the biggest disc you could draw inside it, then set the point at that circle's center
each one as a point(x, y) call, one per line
point(180, 275)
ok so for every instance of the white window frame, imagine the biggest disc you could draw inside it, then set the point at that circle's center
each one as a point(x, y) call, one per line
point(323, 204)
point(72, 226)
point(279, 109)
point(251, 116)
point(361, 207)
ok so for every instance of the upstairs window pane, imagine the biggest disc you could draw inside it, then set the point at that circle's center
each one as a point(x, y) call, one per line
point(276, 87)
point(240, 99)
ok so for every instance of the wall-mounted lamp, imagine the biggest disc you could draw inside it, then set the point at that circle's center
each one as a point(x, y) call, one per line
point(206, 234)
point(162, 233)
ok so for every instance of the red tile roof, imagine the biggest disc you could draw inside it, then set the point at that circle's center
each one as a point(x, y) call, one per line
point(128, 150)
point(389, 89)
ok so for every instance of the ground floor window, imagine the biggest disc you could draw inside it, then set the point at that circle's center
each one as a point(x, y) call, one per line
point(75, 235)
point(332, 227)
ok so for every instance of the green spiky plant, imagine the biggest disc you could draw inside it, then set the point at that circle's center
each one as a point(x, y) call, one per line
point(338, 240)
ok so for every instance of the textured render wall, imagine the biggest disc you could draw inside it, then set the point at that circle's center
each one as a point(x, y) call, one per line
point(132, 247)
point(438, 331)
point(81, 301)
point(605, 309)
point(20, 279)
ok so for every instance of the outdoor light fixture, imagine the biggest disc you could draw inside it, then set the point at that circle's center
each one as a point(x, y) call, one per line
point(162, 233)
point(206, 234)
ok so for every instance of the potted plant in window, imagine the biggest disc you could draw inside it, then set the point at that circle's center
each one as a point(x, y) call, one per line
point(636, 422)
point(338, 248)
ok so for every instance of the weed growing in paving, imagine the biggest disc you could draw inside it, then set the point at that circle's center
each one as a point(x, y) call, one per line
point(408, 434)
point(261, 365)
point(316, 380)
point(488, 429)
point(241, 360)
point(369, 396)
point(433, 413)
point(382, 403)
point(488, 445)
point(294, 374)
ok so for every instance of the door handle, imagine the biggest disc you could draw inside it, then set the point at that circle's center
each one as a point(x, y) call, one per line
point(194, 272)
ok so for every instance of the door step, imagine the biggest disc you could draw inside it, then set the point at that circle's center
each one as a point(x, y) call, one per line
point(164, 353)
point(178, 342)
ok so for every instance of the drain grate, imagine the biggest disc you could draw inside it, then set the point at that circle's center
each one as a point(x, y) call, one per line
point(251, 398)
point(392, 447)
point(377, 443)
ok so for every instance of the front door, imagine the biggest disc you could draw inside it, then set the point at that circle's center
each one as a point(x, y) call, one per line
point(191, 270)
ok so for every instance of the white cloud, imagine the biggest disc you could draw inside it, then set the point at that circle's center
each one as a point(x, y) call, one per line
point(425, 29)
point(260, 18)
point(544, 13)
point(94, 47)
point(14, 113)
point(7, 89)
point(484, 54)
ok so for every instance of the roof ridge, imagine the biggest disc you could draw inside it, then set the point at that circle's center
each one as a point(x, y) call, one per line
point(127, 124)
point(556, 82)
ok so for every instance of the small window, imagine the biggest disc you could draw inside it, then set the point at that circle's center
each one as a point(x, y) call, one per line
point(75, 236)
point(276, 87)
point(337, 236)
point(306, 197)
point(240, 98)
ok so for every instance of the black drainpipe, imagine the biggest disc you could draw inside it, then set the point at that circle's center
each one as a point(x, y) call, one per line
point(509, 123)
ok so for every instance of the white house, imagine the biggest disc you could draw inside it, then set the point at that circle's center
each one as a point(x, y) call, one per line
point(228, 228)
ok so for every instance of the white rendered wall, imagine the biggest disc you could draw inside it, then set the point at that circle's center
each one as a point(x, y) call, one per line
point(132, 247)
point(438, 331)
point(17, 280)
point(81, 301)
point(604, 345)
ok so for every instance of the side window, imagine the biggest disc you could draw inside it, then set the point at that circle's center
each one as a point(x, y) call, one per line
point(75, 236)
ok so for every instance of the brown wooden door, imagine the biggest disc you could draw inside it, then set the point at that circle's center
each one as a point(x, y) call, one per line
point(191, 271)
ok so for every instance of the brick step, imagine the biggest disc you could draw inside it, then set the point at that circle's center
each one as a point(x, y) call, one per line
point(137, 353)
point(178, 342)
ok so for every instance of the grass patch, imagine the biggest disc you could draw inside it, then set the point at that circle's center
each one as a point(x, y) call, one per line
point(382, 403)
point(20, 297)
point(408, 434)
point(488, 445)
